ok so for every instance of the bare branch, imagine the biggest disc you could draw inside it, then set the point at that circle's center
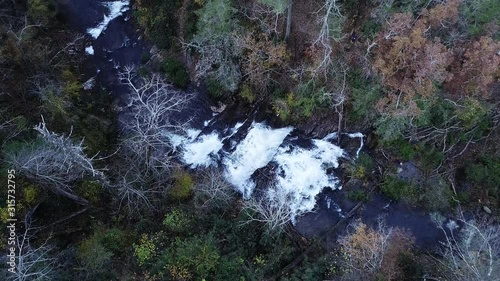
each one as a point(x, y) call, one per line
point(471, 253)
point(55, 161)
point(272, 208)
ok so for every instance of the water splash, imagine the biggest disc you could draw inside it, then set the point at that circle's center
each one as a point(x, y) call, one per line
point(255, 151)
point(116, 9)
point(89, 50)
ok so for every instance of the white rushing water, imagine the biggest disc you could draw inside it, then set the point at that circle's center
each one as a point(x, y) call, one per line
point(89, 50)
point(255, 151)
point(202, 152)
point(116, 9)
point(300, 174)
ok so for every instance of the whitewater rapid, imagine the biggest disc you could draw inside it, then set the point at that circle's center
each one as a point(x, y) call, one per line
point(299, 172)
point(115, 9)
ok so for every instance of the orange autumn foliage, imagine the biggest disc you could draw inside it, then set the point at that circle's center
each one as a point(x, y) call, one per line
point(262, 56)
point(480, 68)
point(409, 61)
point(370, 253)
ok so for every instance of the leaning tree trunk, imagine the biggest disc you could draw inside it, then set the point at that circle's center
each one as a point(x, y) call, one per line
point(288, 20)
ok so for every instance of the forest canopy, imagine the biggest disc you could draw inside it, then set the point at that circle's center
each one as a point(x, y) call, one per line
point(103, 192)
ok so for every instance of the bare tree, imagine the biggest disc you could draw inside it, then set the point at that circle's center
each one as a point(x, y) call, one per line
point(267, 13)
point(471, 253)
point(271, 208)
point(331, 20)
point(150, 117)
point(54, 161)
point(146, 149)
point(337, 99)
point(21, 32)
point(12, 127)
point(218, 51)
point(213, 191)
point(137, 190)
point(32, 262)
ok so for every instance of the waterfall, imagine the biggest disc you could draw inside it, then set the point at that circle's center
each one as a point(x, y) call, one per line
point(299, 171)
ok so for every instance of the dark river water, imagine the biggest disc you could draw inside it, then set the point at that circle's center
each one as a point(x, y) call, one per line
point(120, 44)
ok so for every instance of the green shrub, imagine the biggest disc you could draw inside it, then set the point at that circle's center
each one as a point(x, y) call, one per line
point(410, 6)
point(361, 167)
point(97, 133)
point(301, 103)
point(308, 271)
point(191, 19)
point(143, 72)
point(177, 72)
point(297, 107)
point(358, 195)
point(72, 85)
point(145, 57)
point(195, 256)
point(402, 148)
point(478, 13)
point(158, 19)
point(282, 110)
point(441, 112)
point(30, 194)
point(410, 266)
point(462, 197)
point(54, 100)
point(485, 174)
point(177, 221)
point(42, 10)
point(115, 240)
point(247, 94)
point(93, 255)
point(4, 218)
point(437, 195)
point(230, 267)
point(214, 88)
point(471, 114)
point(364, 96)
point(96, 252)
point(430, 159)
point(370, 29)
point(278, 6)
point(90, 190)
point(390, 128)
point(183, 186)
point(397, 190)
point(145, 250)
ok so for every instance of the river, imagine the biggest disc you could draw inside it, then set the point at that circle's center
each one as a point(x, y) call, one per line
point(249, 151)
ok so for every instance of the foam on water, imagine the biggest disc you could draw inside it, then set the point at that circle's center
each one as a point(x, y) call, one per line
point(254, 152)
point(361, 141)
point(116, 9)
point(89, 84)
point(177, 140)
point(300, 174)
point(203, 151)
point(89, 50)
